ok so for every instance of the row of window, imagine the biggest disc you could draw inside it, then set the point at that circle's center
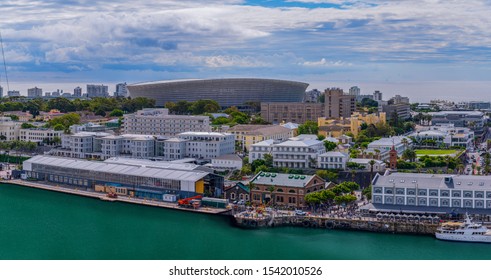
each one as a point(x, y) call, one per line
point(444, 202)
point(432, 192)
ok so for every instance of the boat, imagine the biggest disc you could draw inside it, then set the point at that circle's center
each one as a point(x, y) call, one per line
point(466, 231)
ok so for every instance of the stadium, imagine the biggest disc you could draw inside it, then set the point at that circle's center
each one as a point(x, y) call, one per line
point(227, 92)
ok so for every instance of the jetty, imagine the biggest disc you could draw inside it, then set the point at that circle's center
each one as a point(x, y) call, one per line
point(126, 199)
point(246, 220)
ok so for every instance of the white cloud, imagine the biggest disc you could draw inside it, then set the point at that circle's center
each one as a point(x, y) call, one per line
point(325, 63)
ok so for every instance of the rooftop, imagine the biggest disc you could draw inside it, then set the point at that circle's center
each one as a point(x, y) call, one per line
point(130, 167)
point(280, 179)
point(299, 143)
point(228, 157)
point(259, 129)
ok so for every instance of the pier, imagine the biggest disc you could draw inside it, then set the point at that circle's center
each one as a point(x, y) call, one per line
point(245, 220)
point(126, 199)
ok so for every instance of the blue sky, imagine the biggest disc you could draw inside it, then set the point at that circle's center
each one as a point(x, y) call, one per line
point(421, 48)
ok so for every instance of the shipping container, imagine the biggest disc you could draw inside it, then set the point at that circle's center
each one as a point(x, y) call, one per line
point(214, 202)
point(169, 197)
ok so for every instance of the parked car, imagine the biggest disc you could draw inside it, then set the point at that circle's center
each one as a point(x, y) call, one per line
point(300, 213)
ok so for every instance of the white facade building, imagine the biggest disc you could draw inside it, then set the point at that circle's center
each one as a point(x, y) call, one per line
point(448, 192)
point(40, 135)
point(332, 160)
point(208, 145)
point(385, 144)
point(230, 161)
point(9, 130)
point(378, 165)
point(260, 149)
point(446, 135)
point(159, 122)
point(300, 154)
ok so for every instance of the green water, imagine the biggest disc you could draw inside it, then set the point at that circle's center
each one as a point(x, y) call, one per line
point(38, 224)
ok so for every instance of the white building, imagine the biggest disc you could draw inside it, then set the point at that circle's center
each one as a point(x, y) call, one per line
point(159, 122)
point(34, 92)
point(332, 160)
point(300, 154)
point(9, 130)
point(13, 93)
point(385, 144)
point(77, 92)
point(39, 135)
point(121, 90)
point(230, 161)
point(208, 145)
point(447, 192)
point(446, 135)
point(97, 91)
point(81, 145)
point(260, 149)
point(378, 165)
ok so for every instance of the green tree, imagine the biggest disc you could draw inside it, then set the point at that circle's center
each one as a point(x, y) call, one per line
point(367, 192)
point(330, 146)
point(268, 160)
point(309, 127)
point(409, 154)
point(27, 125)
point(116, 113)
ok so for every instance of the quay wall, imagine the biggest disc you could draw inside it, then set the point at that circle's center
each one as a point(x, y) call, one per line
point(373, 225)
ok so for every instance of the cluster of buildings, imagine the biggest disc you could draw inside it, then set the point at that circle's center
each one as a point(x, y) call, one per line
point(12, 130)
point(92, 91)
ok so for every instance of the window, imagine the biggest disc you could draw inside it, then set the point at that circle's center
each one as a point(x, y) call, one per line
point(445, 202)
point(455, 193)
point(467, 194)
point(399, 191)
point(433, 192)
point(389, 191)
point(377, 190)
point(455, 203)
point(444, 193)
point(422, 192)
point(411, 191)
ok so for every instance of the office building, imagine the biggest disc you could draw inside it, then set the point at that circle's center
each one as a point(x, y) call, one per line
point(337, 104)
point(77, 92)
point(97, 91)
point(472, 119)
point(121, 90)
point(9, 130)
point(13, 93)
point(246, 135)
point(354, 90)
point(377, 96)
point(295, 112)
point(159, 122)
point(35, 92)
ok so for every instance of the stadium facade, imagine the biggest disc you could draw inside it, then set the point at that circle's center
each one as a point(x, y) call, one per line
point(227, 92)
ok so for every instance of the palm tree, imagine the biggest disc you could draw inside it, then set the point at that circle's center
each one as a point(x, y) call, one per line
point(372, 163)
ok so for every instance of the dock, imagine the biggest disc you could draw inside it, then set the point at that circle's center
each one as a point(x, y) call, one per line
point(126, 199)
point(361, 223)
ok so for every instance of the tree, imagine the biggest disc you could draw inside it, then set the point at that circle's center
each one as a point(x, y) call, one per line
point(409, 154)
point(327, 175)
point(367, 192)
point(309, 127)
point(27, 125)
point(352, 186)
point(372, 163)
point(59, 127)
point(116, 113)
point(100, 112)
point(268, 160)
point(330, 145)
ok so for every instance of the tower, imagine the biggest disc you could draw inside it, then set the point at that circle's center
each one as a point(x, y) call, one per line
point(393, 158)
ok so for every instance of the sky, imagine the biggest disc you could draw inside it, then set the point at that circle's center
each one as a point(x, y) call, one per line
point(422, 49)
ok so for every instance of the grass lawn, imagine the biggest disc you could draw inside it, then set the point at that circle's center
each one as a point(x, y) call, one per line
point(434, 152)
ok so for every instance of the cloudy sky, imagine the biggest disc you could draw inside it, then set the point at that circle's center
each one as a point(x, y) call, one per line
point(422, 49)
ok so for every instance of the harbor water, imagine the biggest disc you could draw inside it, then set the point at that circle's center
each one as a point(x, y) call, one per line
point(39, 224)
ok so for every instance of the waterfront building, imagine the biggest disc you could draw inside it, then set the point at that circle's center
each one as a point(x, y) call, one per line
point(332, 160)
point(400, 143)
point(472, 119)
point(97, 91)
point(159, 122)
point(9, 130)
point(121, 90)
point(129, 145)
point(134, 178)
point(417, 192)
point(297, 154)
point(246, 135)
point(40, 135)
point(283, 189)
point(237, 192)
point(34, 92)
point(227, 92)
point(337, 104)
point(296, 112)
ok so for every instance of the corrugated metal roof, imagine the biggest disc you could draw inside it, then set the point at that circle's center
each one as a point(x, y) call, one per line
point(184, 172)
point(434, 181)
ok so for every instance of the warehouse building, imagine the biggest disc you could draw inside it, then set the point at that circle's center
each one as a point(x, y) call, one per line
point(131, 177)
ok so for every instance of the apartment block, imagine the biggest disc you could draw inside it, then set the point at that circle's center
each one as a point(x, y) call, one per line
point(295, 112)
point(337, 104)
point(159, 122)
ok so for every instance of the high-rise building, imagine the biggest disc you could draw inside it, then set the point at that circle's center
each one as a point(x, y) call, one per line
point(296, 112)
point(77, 92)
point(121, 90)
point(337, 104)
point(97, 91)
point(377, 96)
point(12, 93)
point(1, 92)
point(34, 92)
point(354, 90)
point(399, 100)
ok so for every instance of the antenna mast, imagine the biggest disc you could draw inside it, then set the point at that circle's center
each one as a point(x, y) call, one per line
point(4, 64)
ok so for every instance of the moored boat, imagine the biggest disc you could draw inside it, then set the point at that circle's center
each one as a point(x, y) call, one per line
point(466, 231)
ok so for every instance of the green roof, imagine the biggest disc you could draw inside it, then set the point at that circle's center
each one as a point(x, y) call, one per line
point(279, 179)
